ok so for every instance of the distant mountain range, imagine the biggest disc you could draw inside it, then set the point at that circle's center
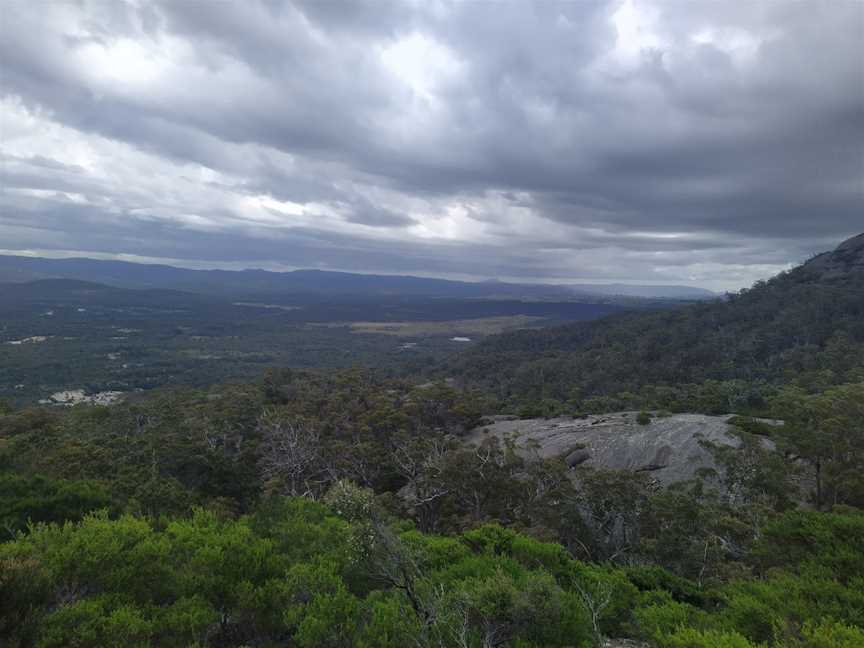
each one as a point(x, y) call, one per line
point(644, 291)
point(121, 274)
point(84, 293)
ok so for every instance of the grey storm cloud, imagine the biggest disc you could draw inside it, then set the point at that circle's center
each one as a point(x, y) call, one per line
point(629, 140)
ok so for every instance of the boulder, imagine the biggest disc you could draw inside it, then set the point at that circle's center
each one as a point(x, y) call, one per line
point(670, 448)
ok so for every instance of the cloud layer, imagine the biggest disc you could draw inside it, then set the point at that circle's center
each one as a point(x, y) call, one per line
point(667, 142)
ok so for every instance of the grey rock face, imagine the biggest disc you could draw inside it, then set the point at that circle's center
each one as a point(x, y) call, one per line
point(846, 259)
point(668, 447)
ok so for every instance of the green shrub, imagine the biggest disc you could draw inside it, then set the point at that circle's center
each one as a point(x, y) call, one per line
point(663, 616)
point(830, 634)
point(692, 638)
point(101, 622)
point(653, 577)
point(40, 499)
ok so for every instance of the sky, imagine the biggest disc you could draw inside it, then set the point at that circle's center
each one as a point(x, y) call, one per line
point(701, 143)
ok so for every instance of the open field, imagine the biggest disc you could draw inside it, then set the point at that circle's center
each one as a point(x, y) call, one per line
point(479, 326)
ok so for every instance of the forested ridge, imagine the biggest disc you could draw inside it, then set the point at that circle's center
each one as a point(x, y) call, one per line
point(344, 508)
point(803, 327)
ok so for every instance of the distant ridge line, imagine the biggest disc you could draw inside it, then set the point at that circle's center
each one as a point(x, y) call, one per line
point(126, 274)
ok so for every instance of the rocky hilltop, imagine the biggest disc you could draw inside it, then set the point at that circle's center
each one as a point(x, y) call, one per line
point(668, 447)
point(847, 258)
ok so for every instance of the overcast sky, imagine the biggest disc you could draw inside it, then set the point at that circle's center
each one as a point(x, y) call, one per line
point(705, 143)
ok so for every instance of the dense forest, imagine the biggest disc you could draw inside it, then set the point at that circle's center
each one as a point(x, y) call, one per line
point(345, 508)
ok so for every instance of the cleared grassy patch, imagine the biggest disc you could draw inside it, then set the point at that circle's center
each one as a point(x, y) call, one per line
point(467, 327)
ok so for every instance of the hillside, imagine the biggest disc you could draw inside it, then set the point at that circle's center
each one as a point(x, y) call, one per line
point(327, 496)
point(335, 497)
point(804, 326)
